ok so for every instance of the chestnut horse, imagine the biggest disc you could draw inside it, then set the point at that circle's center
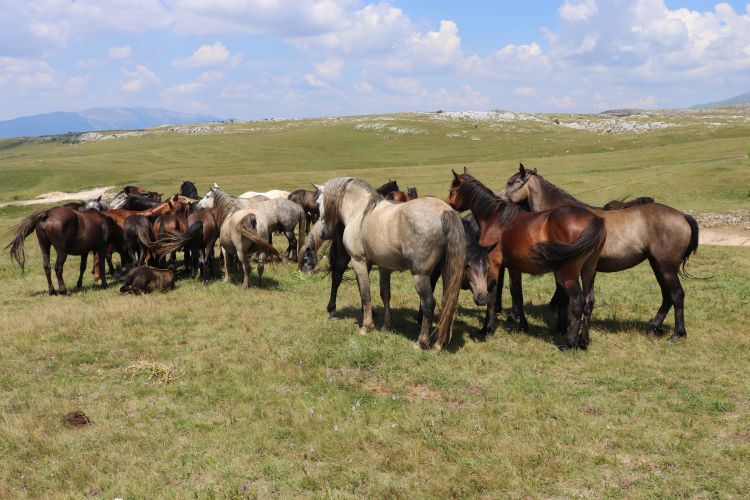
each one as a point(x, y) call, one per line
point(70, 232)
point(566, 241)
point(661, 234)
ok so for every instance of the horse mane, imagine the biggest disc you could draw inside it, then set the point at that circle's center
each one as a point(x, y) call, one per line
point(474, 252)
point(558, 190)
point(483, 201)
point(224, 203)
point(334, 192)
point(625, 203)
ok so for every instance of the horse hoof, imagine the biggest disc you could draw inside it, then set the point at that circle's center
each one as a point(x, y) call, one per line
point(676, 338)
point(53, 292)
point(64, 292)
point(421, 346)
point(333, 317)
point(656, 332)
point(364, 331)
point(565, 347)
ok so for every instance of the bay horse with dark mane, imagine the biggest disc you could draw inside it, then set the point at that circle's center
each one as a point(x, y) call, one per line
point(565, 241)
point(645, 231)
point(70, 232)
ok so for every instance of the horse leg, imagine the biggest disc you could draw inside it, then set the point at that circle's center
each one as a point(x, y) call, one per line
point(101, 267)
point(655, 325)
point(588, 275)
point(499, 292)
point(226, 264)
point(44, 245)
point(338, 260)
point(677, 294)
point(361, 271)
point(261, 268)
point(59, 264)
point(490, 318)
point(559, 298)
point(292, 249)
point(84, 258)
point(433, 282)
point(569, 281)
point(244, 258)
point(424, 286)
point(516, 293)
point(385, 295)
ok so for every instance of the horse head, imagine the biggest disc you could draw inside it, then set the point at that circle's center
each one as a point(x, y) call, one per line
point(516, 190)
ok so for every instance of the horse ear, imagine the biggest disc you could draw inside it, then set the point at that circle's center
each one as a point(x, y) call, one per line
point(216, 185)
point(521, 169)
point(455, 175)
point(466, 170)
point(533, 171)
point(100, 198)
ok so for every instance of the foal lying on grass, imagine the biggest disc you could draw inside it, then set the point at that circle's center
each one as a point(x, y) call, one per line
point(146, 279)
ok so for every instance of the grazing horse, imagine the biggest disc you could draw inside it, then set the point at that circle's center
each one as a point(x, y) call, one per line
point(188, 190)
point(650, 231)
point(243, 231)
point(419, 236)
point(309, 203)
point(566, 241)
point(272, 194)
point(280, 214)
point(148, 279)
point(200, 237)
point(70, 232)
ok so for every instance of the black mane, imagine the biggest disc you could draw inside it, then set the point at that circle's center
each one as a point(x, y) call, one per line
point(484, 203)
point(388, 187)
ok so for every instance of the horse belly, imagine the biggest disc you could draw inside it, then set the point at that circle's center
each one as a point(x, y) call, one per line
point(621, 251)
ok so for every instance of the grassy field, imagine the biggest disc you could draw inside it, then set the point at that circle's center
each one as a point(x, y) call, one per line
point(269, 398)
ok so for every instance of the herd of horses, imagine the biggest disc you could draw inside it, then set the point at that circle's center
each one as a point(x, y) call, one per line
point(530, 226)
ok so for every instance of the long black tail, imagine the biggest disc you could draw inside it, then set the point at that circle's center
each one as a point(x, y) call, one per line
point(171, 241)
point(22, 230)
point(551, 255)
point(692, 246)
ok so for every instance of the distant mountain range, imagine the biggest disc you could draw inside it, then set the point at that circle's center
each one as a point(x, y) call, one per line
point(739, 99)
point(95, 119)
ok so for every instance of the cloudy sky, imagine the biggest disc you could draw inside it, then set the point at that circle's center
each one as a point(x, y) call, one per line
point(280, 58)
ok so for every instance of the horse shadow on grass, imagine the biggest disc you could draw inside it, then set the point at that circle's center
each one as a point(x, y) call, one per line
point(404, 323)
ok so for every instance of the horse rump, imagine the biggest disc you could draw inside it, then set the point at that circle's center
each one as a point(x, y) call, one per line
point(247, 228)
point(551, 255)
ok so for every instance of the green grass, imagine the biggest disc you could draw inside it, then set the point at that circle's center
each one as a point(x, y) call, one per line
point(272, 399)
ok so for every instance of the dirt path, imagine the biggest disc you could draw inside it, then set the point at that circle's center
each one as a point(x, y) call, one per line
point(58, 196)
point(725, 236)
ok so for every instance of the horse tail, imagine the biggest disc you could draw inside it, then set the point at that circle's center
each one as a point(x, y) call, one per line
point(692, 246)
point(22, 230)
point(551, 255)
point(453, 272)
point(171, 241)
point(301, 231)
point(247, 229)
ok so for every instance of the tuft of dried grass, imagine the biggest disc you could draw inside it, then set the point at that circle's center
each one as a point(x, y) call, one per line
point(156, 373)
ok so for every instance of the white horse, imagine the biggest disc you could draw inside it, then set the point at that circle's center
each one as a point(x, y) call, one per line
point(418, 236)
point(243, 232)
point(281, 214)
point(272, 194)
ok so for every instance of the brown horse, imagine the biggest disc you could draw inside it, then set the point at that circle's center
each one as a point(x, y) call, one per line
point(398, 196)
point(200, 236)
point(308, 200)
point(146, 279)
point(138, 235)
point(411, 193)
point(566, 241)
point(649, 231)
point(70, 232)
point(174, 222)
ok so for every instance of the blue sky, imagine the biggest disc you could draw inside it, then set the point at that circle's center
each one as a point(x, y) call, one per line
point(281, 58)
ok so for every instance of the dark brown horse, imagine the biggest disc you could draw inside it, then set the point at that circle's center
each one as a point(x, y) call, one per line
point(188, 190)
point(175, 222)
point(386, 188)
point(308, 201)
point(398, 196)
point(411, 193)
point(649, 231)
point(200, 237)
point(146, 279)
point(138, 234)
point(70, 232)
point(566, 241)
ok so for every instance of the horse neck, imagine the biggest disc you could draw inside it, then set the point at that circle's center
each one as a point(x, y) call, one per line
point(544, 196)
point(353, 205)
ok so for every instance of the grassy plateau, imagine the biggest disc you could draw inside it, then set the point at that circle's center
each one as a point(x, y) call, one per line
point(268, 398)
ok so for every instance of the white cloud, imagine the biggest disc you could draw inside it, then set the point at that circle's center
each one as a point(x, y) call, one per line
point(577, 10)
point(525, 91)
point(330, 68)
point(119, 52)
point(563, 103)
point(405, 85)
point(139, 78)
point(185, 88)
point(313, 81)
point(210, 56)
point(26, 73)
